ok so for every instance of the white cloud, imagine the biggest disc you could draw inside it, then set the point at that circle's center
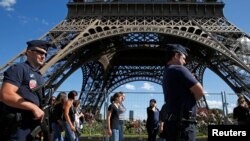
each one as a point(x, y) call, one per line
point(42, 21)
point(45, 22)
point(214, 104)
point(23, 19)
point(230, 109)
point(26, 20)
point(7, 4)
point(147, 86)
point(136, 106)
point(129, 87)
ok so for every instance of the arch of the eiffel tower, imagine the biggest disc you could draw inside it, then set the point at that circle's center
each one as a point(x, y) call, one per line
point(122, 41)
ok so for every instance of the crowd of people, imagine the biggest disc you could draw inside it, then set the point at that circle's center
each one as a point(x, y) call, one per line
point(65, 116)
point(21, 110)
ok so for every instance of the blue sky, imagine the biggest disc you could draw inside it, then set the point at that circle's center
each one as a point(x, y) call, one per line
point(23, 20)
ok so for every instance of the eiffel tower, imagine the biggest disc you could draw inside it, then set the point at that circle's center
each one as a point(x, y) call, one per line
point(121, 41)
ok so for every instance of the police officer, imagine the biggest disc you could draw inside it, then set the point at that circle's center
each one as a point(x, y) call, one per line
point(19, 104)
point(181, 91)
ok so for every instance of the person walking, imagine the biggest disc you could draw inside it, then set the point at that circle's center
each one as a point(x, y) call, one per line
point(241, 113)
point(20, 106)
point(52, 102)
point(112, 121)
point(181, 91)
point(122, 109)
point(78, 115)
point(152, 123)
point(57, 117)
point(69, 117)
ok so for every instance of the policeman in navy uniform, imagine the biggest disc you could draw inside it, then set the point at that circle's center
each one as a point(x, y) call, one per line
point(18, 103)
point(181, 91)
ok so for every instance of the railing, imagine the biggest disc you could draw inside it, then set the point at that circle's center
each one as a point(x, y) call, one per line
point(138, 102)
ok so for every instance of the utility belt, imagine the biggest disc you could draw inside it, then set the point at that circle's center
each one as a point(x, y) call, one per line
point(16, 116)
point(176, 118)
point(9, 122)
point(9, 113)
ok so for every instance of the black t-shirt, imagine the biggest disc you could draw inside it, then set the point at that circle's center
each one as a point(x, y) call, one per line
point(152, 118)
point(57, 113)
point(71, 114)
point(241, 114)
point(114, 119)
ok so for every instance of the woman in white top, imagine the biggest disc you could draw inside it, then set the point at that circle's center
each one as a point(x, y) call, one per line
point(78, 115)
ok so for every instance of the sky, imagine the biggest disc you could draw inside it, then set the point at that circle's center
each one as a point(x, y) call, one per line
point(24, 20)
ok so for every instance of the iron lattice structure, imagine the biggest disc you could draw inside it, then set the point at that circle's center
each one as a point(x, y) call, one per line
point(114, 43)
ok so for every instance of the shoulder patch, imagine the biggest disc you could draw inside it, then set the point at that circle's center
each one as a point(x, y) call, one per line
point(32, 83)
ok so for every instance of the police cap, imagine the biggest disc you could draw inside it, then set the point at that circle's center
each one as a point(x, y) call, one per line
point(177, 48)
point(38, 43)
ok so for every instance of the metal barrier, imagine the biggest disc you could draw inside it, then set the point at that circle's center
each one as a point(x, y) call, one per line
point(220, 104)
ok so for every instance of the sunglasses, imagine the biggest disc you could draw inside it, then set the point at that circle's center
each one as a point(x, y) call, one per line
point(40, 52)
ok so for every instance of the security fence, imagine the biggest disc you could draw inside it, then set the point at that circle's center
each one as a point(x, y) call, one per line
point(137, 102)
point(220, 112)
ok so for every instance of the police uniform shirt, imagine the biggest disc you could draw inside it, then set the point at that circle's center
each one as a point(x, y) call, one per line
point(25, 78)
point(177, 81)
point(163, 112)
